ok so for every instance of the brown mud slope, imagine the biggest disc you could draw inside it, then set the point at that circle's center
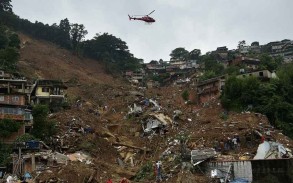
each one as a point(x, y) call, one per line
point(41, 59)
point(89, 83)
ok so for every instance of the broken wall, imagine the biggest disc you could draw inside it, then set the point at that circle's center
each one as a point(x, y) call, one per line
point(240, 169)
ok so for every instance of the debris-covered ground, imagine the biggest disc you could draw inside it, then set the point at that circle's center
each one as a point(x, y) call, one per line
point(113, 130)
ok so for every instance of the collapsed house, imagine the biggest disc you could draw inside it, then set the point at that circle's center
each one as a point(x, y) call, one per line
point(156, 123)
point(272, 150)
point(272, 158)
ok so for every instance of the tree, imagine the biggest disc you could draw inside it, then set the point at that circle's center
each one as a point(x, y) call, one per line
point(207, 75)
point(211, 64)
point(77, 33)
point(194, 54)
point(42, 126)
point(112, 51)
point(255, 43)
point(8, 59)
point(3, 37)
point(179, 54)
point(241, 44)
point(270, 63)
point(5, 154)
point(14, 41)
point(5, 5)
point(64, 37)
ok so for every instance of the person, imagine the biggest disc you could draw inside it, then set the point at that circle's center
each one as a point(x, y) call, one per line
point(234, 140)
point(159, 169)
point(262, 139)
point(227, 144)
point(248, 140)
point(222, 145)
point(109, 181)
point(124, 180)
point(216, 145)
point(238, 141)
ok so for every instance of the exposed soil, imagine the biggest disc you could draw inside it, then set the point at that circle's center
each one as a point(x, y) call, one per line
point(88, 82)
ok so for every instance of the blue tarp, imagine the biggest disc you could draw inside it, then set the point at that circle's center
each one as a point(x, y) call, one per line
point(27, 175)
point(32, 144)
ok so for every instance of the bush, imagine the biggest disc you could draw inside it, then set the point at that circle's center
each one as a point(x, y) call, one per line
point(5, 151)
point(8, 126)
point(42, 126)
point(146, 172)
point(25, 137)
point(185, 95)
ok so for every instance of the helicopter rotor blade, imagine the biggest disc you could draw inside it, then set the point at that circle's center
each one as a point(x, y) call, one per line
point(151, 12)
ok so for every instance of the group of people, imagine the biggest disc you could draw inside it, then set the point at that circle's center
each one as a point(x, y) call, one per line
point(227, 144)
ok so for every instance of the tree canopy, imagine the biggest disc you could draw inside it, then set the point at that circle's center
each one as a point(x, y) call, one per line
point(77, 33)
point(42, 126)
point(9, 45)
point(5, 5)
point(112, 50)
point(179, 54)
point(8, 126)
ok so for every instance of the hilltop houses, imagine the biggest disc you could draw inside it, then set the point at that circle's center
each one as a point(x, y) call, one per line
point(18, 95)
point(48, 91)
point(282, 48)
point(250, 64)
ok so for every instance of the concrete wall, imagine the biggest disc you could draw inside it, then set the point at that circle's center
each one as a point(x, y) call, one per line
point(12, 99)
point(257, 170)
point(282, 169)
point(39, 92)
point(241, 169)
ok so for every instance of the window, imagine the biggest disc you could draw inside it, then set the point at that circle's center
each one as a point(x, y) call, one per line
point(260, 73)
point(15, 99)
point(45, 89)
point(2, 98)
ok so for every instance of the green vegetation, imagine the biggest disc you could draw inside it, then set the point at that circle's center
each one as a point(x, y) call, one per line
point(112, 51)
point(42, 127)
point(211, 64)
point(5, 151)
point(185, 95)
point(146, 172)
point(9, 45)
point(25, 137)
point(274, 98)
point(179, 54)
point(8, 126)
point(5, 6)
point(207, 75)
point(270, 63)
point(182, 54)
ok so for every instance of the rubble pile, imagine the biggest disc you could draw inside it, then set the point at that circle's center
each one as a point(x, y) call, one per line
point(114, 135)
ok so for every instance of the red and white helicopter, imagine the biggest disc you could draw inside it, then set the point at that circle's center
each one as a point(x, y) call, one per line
point(145, 18)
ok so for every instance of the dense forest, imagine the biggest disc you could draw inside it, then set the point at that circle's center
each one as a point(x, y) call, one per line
point(110, 50)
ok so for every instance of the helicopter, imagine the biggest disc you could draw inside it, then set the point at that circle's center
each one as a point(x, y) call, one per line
point(145, 18)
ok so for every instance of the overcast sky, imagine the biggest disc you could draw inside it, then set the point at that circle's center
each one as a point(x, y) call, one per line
point(201, 24)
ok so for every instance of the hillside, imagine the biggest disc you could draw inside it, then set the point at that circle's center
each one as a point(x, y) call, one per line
point(105, 101)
